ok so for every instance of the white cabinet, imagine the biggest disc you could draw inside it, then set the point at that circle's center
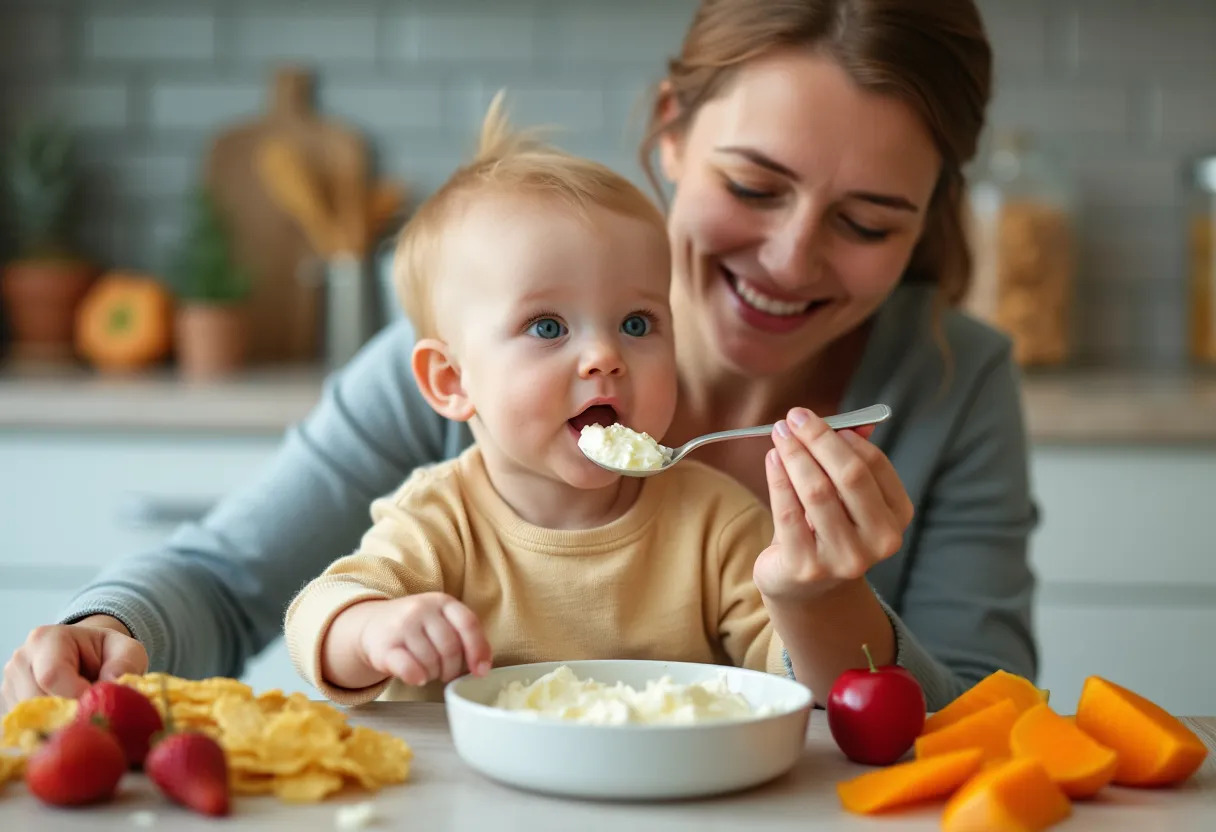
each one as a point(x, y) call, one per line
point(77, 501)
point(70, 503)
point(1126, 560)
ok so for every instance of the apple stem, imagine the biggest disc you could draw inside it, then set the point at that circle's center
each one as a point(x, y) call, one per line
point(865, 648)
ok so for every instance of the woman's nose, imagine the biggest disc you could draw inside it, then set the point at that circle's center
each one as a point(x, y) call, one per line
point(791, 253)
point(601, 357)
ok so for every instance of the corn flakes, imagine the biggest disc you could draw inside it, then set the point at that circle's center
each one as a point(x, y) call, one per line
point(12, 766)
point(25, 724)
point(299, 750)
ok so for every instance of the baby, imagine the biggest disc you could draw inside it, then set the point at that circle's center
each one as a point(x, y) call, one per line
point(538, 284)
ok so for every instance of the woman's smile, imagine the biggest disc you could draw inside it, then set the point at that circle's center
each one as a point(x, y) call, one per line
point(765, 311)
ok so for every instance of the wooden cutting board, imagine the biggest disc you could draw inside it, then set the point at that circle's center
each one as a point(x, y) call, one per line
point(285, 306)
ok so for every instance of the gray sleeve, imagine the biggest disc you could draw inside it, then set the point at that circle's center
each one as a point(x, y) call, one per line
point(966, 607)
point(215, 593)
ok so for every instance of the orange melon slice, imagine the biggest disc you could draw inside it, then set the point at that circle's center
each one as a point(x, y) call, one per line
point(988, 691)
point(1018, 796)
point(1078, 763)
point(987, 730)
point(908, 783)
point(1154, 747)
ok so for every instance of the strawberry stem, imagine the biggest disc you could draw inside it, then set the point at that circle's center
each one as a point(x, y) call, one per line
point(865, 648)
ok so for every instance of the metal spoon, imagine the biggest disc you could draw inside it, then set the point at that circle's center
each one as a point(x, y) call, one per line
point(871, 415)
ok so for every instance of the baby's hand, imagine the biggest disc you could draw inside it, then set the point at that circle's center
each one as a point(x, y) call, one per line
point(424, 637)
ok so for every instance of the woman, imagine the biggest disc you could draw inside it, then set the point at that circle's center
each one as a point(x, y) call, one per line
point(814, 151)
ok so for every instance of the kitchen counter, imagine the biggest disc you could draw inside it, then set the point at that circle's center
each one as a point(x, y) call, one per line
point(257, 401)
point(443, 794)
point(1074, 406)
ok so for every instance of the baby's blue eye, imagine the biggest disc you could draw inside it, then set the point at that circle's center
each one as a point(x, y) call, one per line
point(547, 328)
point(636, 325)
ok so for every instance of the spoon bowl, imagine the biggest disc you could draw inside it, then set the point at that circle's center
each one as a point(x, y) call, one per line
point(871, 415)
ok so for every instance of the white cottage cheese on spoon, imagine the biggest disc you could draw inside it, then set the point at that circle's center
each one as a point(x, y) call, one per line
point(620, 447)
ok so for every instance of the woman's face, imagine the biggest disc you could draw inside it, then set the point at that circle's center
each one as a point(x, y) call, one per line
point(799, 199)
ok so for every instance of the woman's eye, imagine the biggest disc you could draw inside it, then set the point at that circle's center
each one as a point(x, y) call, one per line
point(547, 328)
point(636, 325)
point(746, 193)
point(870, 235)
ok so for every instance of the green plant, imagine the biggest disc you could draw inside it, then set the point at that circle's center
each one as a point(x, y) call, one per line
point(204, 269)
point(41, 181)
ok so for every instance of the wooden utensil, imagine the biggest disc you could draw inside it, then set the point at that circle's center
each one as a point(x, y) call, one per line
point(348, 170)
point(293, 188)
point(285, 312)
point(385, 203)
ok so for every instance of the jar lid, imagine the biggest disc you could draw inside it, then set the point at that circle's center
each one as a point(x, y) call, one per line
point(1204, 171)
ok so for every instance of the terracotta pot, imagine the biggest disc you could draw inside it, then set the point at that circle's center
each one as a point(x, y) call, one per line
point(211, 339)
point(40, 299)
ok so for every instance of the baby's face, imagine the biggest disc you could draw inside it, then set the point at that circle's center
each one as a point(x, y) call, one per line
point(558, 321)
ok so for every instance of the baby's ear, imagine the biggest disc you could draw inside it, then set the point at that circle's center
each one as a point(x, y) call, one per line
point(438, 377)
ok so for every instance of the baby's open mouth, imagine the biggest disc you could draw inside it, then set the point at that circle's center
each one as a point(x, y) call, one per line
point(597, 414)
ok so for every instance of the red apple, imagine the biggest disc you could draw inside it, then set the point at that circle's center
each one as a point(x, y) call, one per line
point(876, 713)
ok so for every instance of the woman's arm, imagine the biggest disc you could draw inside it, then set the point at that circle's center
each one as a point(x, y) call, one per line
point(216, 593)
point(965, 610)
point(966, 589)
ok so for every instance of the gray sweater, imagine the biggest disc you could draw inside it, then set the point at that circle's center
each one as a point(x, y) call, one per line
point(958, 593)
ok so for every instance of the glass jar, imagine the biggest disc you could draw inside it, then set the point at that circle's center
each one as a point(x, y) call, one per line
point(1023, 239)
point(1202, 256)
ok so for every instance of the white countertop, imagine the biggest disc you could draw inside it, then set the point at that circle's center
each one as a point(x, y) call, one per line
point(443, 794)
point(1073, 407)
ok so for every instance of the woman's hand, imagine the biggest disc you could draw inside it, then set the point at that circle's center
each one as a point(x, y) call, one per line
point(838, 508)
point(64, 659)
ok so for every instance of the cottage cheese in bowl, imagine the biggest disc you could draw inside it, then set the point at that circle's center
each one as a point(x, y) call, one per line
point(560, 694)
point(620, 447)
point(628, 729)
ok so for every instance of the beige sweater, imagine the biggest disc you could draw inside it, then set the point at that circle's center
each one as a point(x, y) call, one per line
point(671, 579)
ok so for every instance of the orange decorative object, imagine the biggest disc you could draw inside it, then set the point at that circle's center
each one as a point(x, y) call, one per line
point(1154, 748)
point(988, 691)
point(125, 322)
point(908, 783)
point(1018, 796)
point(987, 730)
point(1078, 763)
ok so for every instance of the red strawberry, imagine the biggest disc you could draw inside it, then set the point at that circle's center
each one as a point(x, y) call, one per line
point(81, 763)
point(131, 717)
point(190, 769)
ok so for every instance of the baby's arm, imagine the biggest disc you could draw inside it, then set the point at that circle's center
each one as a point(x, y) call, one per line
point(360, 604)
point(744, 625)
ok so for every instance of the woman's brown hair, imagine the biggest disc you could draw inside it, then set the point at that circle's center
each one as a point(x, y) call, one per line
point(932, 54)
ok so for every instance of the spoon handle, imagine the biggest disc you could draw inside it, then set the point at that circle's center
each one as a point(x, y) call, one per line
point(871, 415)
point(852, 419)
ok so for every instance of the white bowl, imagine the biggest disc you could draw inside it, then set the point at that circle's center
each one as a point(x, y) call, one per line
point(632, 762)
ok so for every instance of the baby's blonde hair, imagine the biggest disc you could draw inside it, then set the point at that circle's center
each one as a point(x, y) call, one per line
point(507, 161)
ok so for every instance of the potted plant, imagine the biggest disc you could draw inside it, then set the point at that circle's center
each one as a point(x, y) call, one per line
point(43, 285)
point(212, 292)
